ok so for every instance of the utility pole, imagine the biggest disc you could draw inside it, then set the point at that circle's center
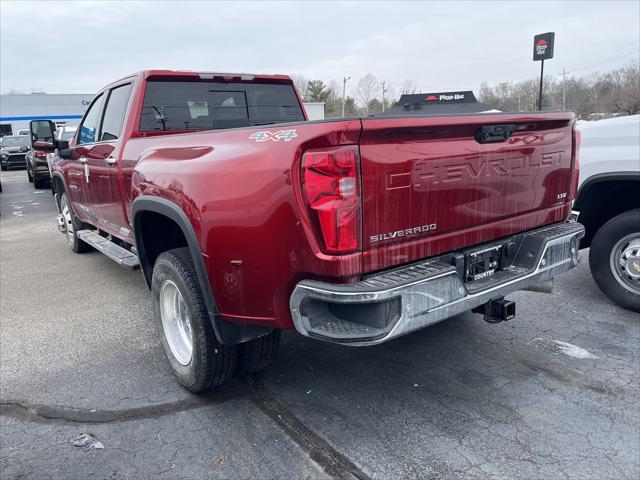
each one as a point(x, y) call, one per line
point(344, 90)
point(384, 90)
point(564, 88)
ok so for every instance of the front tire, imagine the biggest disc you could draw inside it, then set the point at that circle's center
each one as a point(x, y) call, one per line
point(29, 176)
point(72, 225)
point(614, 259)
point(197, 359)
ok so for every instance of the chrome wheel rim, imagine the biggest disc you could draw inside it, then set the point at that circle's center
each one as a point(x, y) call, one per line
point(625, 262)
point(176, 322)
point(68, 221)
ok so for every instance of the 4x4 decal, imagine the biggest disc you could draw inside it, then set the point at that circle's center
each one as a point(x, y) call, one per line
point(286, 135)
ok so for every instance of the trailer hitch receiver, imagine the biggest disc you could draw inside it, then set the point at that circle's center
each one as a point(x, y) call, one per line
point(496, 311)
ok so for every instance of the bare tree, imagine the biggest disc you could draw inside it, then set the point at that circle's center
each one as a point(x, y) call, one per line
point(301, 84)
point(598, 95)
point(367, 89)
point(628, 98)
point(390, 98)
point(409, 86)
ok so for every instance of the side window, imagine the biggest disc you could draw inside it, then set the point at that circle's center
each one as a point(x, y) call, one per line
point(114, 112)
point(91, 122)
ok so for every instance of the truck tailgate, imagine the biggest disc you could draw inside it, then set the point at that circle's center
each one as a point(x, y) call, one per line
point(429, 186)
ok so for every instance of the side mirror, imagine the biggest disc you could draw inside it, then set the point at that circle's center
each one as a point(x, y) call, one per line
point(63, 150)
point(65, 153)
point(43, 135)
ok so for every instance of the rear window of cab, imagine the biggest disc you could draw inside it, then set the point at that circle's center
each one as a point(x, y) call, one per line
point(180, 106)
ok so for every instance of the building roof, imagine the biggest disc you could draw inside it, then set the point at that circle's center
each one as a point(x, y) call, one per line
point(438, 103)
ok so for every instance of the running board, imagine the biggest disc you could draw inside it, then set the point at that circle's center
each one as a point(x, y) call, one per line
point(120, 255)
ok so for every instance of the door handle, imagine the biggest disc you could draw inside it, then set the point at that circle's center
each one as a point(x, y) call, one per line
point(110, 161)
point(83, 159)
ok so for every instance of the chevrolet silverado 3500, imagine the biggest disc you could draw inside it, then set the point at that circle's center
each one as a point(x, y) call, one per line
point(245, 218)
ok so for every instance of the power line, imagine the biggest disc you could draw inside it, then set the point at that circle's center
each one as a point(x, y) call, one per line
point(630, 52)
point(627, 54)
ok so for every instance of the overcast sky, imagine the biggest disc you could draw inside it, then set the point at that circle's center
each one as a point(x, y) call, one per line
point(78, 47)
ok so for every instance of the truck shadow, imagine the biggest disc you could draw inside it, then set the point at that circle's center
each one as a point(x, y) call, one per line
point(447, 377)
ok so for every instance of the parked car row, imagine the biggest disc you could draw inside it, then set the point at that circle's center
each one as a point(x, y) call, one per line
point(16, 152)
point(13, 150)
point(39, 162)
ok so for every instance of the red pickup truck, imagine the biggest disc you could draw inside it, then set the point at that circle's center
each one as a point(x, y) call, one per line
point(245, 218)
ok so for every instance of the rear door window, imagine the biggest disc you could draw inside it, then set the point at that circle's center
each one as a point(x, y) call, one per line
point(114, 113)
point(179, 106)
point(91, 123)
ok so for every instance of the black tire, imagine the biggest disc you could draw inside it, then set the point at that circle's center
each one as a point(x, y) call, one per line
point(29, 176)
point(3, 168)
point(256, 355)
point(39, 182)
point(73, 225)
point(211, 363)
point(604, 241)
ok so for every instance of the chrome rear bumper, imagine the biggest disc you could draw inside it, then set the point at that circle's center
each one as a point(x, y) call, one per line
point(395, 302)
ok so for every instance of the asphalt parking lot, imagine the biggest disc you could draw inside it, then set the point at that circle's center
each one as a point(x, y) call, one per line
point(552, 394)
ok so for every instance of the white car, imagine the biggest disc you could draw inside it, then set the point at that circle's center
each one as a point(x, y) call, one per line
point(66, 132)
point(609, 204)
point(23, 132)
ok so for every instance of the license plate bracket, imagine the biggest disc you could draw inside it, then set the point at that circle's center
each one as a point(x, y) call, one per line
point(482, 263)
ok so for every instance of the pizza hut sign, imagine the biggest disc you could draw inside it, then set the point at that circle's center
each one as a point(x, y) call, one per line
point(543, 46)
point(445, 97)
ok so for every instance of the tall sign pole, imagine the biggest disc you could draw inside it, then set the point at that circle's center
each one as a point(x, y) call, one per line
point(540, 92)
point(542, 50)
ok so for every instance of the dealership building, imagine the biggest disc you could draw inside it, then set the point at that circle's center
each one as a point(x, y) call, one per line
point(16, 111)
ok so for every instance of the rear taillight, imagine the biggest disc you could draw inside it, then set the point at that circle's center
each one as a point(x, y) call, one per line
point(575, 172)
point(331, 186)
